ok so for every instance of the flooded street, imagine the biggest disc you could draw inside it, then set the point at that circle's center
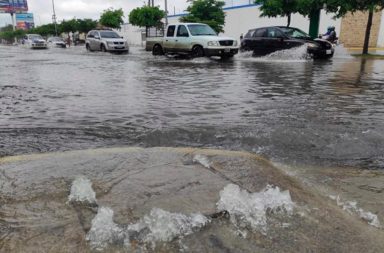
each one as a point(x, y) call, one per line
point(287, 109)
point(272, 154)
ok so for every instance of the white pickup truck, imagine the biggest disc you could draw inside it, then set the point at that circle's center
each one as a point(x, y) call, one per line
point(194, 39)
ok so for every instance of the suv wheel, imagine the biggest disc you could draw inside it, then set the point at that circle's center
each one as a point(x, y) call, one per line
point(102, 48)
point(197, 51)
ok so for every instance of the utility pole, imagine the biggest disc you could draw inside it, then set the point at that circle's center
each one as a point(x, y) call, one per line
point(54, 16)
point(166, 12)
point(13, 16)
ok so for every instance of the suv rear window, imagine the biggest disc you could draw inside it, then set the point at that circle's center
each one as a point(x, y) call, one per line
point(260, 33)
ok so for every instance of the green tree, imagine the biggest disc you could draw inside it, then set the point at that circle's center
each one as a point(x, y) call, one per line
point(9, 35)
point(85, 25)
point(209, 12)
point(112, 18)
point(275, 8)
point(146, 16)
point(366, 5)
point(44, 30)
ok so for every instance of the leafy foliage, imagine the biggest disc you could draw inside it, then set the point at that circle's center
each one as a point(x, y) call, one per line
point(73, 25)
point(9, 35)
point(209, 12)
point(112, 18)
point(146, 16)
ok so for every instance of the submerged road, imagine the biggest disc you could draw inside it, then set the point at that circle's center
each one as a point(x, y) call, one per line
point(285, 108)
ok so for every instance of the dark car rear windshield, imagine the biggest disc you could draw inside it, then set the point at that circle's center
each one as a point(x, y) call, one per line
point(109, 35)
point(294, 33)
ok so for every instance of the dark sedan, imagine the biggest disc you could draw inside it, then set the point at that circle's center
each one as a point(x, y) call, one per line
point(266, 40)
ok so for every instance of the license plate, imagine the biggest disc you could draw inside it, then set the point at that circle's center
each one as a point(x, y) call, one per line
point(328, 51)
point(227, 50)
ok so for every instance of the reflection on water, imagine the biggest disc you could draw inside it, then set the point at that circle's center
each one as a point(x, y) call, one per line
point(294, 111)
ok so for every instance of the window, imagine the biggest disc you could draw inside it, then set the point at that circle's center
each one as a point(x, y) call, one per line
point(182, 31)
point(201, 30)
point(109, 35)
point(249, 34)
point(260, 32)
point(171, 31)
point(274, 33)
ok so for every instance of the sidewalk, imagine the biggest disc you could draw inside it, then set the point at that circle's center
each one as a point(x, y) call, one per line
point(371, 50)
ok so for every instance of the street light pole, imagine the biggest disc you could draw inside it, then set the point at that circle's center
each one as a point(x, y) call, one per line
point(54, 16)
point(166, 12)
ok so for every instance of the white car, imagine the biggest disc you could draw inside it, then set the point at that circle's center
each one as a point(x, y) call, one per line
point(193, 39)
point(34, 41)
point(56, 42)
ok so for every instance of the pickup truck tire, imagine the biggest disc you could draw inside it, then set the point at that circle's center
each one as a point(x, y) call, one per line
point(197, 51)
point(157, 50)
point(88, 48)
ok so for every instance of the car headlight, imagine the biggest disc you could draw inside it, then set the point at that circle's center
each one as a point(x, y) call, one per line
point(312, 45)
point(213, 43)
point(235, 43)
point(110, 43)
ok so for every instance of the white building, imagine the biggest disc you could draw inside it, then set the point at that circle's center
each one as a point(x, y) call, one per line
point(239, 19)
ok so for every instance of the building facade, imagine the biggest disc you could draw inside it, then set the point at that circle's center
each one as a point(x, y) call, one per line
point(239, 19)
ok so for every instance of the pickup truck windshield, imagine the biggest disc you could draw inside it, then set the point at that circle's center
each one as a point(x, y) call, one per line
point(109, 35)
point(200, 30)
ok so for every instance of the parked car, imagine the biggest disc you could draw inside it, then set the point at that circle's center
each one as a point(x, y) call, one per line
point(56, 42)
point(34, 41)
point(192, 39)
point(106, 41)
point(266, 40)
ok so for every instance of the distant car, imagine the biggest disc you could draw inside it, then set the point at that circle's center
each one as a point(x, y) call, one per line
point(266, 40)
point(34, 41)
point(56, 42)
point(106, 41)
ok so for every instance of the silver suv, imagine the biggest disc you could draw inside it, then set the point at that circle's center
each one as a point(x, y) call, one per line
point(106, 41)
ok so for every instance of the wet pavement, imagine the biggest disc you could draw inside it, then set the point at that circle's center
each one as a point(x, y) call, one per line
point(286, 108)
point(311, 181)
point(174, 200)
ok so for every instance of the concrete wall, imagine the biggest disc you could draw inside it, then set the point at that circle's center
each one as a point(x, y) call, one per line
point(380, 40)
point(353, 28)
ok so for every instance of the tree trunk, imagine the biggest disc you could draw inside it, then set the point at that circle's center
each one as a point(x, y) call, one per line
point(289, 19)
point(368, 31)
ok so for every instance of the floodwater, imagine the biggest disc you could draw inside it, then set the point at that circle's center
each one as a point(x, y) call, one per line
point(157, 171)
point(286, 108)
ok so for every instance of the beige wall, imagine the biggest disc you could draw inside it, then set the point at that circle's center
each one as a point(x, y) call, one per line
point(353, 27)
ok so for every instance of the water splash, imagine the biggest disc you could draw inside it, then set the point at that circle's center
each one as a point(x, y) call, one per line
point(203, 160)
point(81, 191)
point(296, 54)
point(158, 226)
point(250, 209)
point(104, 231)
point(342, 52)
point(161, 225)
point(352, 208)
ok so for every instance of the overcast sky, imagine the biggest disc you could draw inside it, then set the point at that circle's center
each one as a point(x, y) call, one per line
point(67, 9)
